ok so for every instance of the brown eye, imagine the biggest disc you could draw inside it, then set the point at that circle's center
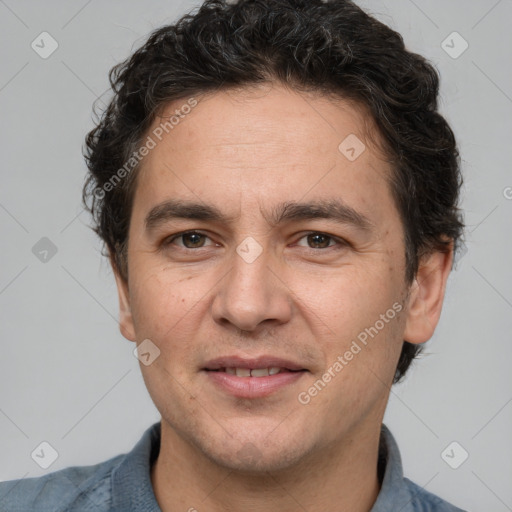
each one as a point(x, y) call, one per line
point(189, 240)
point(319, 240)
point(193, 240)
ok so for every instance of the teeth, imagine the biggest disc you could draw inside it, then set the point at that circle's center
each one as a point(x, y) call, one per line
point(259, 372)
point(256, 372)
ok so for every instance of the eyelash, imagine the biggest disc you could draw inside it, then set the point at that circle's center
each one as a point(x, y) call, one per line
point(339, 241)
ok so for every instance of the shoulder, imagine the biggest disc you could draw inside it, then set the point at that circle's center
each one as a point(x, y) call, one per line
point(398, 492)
point(424, 501)
point(81, 488)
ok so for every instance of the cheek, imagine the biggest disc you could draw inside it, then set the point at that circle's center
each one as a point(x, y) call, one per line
point(360, 366)
point(161, 302)
point(348, 298)
point(362, 324)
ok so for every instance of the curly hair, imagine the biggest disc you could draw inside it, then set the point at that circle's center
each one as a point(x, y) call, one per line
point(331, 47)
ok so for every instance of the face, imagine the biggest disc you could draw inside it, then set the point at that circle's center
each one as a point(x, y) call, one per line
point(256, 243)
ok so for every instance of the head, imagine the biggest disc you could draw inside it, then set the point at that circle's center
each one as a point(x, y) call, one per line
point(245, 118)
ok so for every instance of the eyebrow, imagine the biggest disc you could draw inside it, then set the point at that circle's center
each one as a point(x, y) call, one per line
point(334, 209)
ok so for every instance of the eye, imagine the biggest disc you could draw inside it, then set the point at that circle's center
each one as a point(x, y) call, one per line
point(317, 240)
point(189, 239)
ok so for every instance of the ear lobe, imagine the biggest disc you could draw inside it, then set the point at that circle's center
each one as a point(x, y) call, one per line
point(427, 295)
point(125, 313)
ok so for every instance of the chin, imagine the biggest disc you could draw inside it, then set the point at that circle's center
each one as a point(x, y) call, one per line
point(252, 460)
point(258, 453)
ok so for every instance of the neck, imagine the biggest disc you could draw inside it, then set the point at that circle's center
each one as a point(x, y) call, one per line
point(341, 477)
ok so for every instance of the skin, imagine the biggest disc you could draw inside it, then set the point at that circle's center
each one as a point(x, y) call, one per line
point(246, 151)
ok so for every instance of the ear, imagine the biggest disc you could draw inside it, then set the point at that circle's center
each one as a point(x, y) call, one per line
point(125, 313)
point(427, 295)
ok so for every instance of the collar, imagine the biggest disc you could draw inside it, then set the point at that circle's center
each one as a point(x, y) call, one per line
point(394, 490)
point(131, 480)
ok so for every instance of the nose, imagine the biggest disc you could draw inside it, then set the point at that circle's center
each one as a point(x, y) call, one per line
point(252, 295)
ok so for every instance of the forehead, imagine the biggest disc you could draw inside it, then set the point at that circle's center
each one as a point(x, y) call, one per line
point(270, 115)
point(264, 144)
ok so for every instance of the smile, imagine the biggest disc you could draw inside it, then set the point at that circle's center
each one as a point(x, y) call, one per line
point(252, 383)
point(253, 372)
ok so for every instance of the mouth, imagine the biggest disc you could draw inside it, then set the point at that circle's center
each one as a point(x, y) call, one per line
point(254, 372)
point(252, 378)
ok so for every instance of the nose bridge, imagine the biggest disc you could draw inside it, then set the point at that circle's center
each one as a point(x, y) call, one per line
point(250, 293)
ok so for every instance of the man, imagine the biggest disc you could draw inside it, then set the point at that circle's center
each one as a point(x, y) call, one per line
point(278, 196)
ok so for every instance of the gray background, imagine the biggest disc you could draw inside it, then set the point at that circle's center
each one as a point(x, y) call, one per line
point(66, 374)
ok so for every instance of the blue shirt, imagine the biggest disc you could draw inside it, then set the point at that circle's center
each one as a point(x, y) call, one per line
point(123, 484)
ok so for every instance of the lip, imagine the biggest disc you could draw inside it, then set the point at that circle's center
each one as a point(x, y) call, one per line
point(252, 387)
point(264, 361)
